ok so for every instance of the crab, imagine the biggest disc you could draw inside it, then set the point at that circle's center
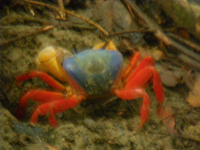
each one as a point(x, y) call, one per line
point(91, 73)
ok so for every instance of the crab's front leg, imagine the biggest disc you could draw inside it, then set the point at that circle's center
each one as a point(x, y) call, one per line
point(44, 77)
point(130, 94)
point(145, 72)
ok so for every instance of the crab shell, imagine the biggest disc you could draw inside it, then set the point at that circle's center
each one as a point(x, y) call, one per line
point(96, 71)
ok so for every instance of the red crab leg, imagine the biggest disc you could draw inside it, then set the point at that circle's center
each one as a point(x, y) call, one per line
point(39, 96)
point(147, 61)
point(44, 77)
point(131, 65)
point(51, 108)
point(144, 75)
point(128, 94)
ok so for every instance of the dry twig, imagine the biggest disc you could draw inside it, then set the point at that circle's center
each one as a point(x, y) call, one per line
point(69, 13)
point(142, 30)
point(61, 12)
point(189, 61)
point(151, 24)
point(44, 29)
point(185, 41)
point(111, 16)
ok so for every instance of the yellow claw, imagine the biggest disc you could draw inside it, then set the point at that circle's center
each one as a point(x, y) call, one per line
point(110, 46)
point(47, 61)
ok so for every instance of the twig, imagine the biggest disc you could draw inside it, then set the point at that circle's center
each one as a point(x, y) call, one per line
point(44, 29)
point(185, 41)
point(111, 16)
point(70, 13)
point(134, 17)
point(159, 32)
point(185, 50)
point(189, 61)
point(142, 30)
point(150, 23)
point(61, 5)
point(82, 27)
point(131, 12)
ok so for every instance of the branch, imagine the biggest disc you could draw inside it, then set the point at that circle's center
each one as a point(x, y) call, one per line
point(41, 30)
point(69, 13)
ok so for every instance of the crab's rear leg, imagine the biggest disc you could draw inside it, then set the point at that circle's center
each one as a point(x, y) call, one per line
point(54, 107)
point(41, 96)
point(52, 103)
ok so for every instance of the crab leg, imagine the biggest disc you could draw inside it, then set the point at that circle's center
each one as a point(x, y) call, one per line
point(41, 96)
point(133, 94)
point(145, 75)
point(51, 108)
point(147, 61)
point(131, 65)
point(44, 77)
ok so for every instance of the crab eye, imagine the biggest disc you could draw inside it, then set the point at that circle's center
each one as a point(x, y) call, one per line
point(62, 54)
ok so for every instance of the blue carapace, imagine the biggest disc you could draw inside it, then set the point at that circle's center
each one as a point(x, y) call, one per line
point(94, 70)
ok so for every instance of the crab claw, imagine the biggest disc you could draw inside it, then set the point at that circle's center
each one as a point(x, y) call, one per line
point(50, 59)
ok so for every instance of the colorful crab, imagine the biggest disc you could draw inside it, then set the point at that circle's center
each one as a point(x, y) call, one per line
point(91, 73)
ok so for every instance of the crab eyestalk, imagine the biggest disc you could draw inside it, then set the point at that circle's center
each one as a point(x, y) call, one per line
point(62, 54)
point(50, 59)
